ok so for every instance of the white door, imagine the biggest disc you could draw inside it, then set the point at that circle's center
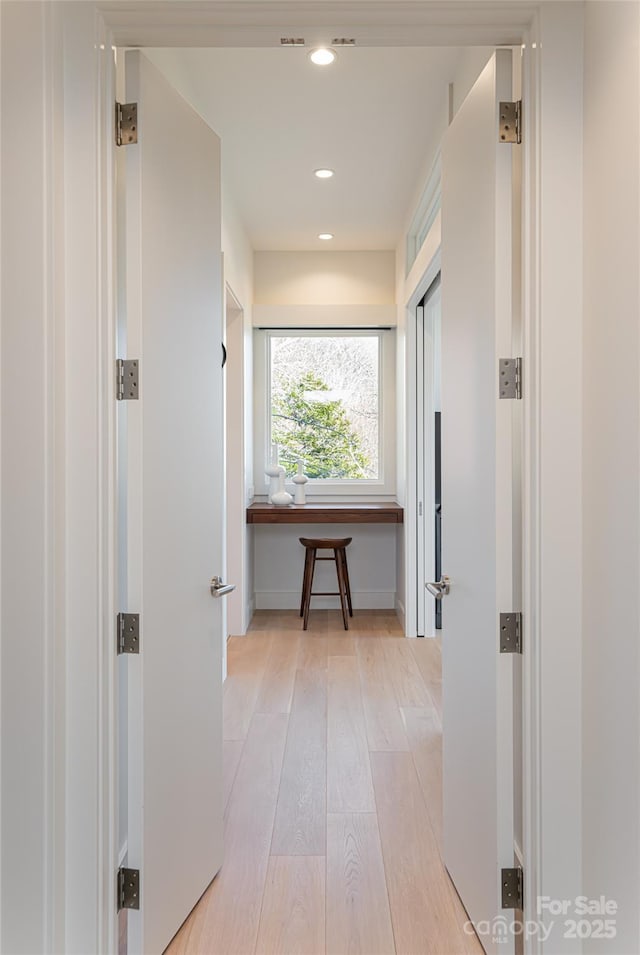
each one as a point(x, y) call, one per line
point(477, 498)
point(174, 505)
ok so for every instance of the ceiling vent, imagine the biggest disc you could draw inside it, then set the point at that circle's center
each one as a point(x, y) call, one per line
point(291, 41)
point(343, 41)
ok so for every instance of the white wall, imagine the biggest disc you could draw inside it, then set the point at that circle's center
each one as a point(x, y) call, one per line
point(470, 65)
point(611, 461)
point(28, 621)
point(236, 248)
point(58, 748)
point(331, 288)
point(279, 561)
point(324, 278)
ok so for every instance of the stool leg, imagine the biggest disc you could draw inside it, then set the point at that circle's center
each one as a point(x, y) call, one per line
point(345, 569)
point(307, 605)
point(342, 588)
point(307, 564)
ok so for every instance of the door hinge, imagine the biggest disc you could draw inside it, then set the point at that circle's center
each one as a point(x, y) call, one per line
point(419, 508)
point(127, 379)
point(510, 633)
point(128, 888)
point(128, 633)
point(512, 881)
point(510, 378)
point(511, 122)
point(126, 124)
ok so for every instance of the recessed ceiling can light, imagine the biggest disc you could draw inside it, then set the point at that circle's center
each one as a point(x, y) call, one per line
point(323, 173)
point(322, 56)
point(325, 236)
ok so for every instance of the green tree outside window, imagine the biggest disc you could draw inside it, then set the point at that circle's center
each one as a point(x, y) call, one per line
point(316, 432)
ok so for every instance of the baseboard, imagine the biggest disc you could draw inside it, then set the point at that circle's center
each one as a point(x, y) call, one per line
point(290, 600)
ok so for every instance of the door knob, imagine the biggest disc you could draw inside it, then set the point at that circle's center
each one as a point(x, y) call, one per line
point(218, 589)
point(439, 588)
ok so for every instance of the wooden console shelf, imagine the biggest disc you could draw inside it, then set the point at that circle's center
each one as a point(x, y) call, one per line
point(325, 514)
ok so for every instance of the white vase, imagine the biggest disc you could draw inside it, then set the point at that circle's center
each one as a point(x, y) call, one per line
point(281, 498)
point(300, 480)
point(273, 472)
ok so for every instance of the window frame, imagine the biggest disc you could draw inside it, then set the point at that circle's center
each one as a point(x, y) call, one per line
point(382, 486)
point(427, 209)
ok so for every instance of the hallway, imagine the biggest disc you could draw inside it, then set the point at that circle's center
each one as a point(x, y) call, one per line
point(332, 797)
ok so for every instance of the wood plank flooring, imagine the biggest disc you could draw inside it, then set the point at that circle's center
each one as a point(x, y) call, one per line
point(333, 819)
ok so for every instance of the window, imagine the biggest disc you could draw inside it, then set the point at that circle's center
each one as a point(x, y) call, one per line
point(426, 212)
point(330, 405)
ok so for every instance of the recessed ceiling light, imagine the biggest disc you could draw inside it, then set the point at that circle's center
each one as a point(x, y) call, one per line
point(322, 56)
point(325, 236)
point(323, 173)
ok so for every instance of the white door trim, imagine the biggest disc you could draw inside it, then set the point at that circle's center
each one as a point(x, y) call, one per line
point(419, 280)
point(428, 376)
point(235, 570)
point(79, 686)
point(552, 501)
point(91, 835)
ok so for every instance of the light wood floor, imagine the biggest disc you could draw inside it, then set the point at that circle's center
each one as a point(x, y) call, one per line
point(332, 797)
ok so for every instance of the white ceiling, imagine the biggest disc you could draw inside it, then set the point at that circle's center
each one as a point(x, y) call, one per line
point(374, 116)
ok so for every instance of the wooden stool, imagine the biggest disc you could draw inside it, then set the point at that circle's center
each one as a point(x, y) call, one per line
point(338, 546)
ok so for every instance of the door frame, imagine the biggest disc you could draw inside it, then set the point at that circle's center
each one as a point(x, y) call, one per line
point(78, 911)
point(235, 571)
point(427, 376)
point(420, 279)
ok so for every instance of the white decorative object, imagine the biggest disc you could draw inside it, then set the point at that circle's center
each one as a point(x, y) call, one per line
point(281, 498)
point(300, 480)
point(273, 472)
